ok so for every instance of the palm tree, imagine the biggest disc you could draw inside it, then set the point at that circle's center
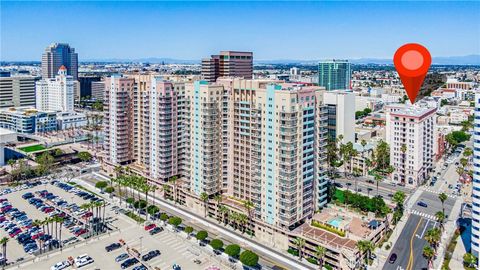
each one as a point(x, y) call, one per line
point(365, 246)
point(204, 198)
point(378, 178)
point(248, 205)
point(428, 253)
point(299, 243)
point(174, 181)
point(224, 211)
point(242, 220)
point(4, 242)
point(440, 216)
point(166, 189)
point(432, 236)
point(443, 197)
point(37, 223)
point(320, 253)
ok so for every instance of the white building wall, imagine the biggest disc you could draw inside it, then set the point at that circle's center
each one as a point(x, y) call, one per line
point(476, 181)
point(345, 114)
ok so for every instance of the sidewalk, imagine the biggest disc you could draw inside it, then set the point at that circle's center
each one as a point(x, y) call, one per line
point(448, 233)
point(382, 253)
point(457, 257)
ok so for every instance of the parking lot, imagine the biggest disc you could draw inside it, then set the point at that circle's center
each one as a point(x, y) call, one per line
point(174, 247)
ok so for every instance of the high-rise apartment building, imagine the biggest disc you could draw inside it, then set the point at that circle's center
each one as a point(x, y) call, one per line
point(228, 64)
point(476, 181)
point(334, 74)
point(119, 120)
point(410, 134)
point(250, 140)
point(97, 88)
point(56, 94)
point(17, 91)
point(341, 114)
point(57, 55)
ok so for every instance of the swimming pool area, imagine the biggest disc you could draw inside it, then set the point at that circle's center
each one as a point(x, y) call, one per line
point(336, 222)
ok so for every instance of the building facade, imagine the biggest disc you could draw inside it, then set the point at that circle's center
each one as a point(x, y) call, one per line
point(56, 94)
point(28, 120)
point(119, 120)
point(410, 132)
point(228, 64)
point(476, 181)
point(341, 114)
point(57, 55)
point(97, 90)
point(86, 82)
point(334, 74)
point(17, 91)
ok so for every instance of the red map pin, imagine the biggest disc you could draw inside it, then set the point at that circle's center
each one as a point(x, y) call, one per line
point(412, 62)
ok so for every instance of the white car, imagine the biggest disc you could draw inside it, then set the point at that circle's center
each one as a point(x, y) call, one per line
point(60, 265)
point(83, 260)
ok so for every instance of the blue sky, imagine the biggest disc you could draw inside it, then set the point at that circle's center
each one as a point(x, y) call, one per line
point(272, 30)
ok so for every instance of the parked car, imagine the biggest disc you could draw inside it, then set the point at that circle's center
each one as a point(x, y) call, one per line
point(150, 255)
point(121, 257)
point(112, 247)
point(129, 263)
point(150, 226)
point(83, 260)
point(60, 265)
point(155, 230)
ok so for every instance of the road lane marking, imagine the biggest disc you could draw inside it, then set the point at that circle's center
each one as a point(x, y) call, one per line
point(424, 229)
point(410, 261)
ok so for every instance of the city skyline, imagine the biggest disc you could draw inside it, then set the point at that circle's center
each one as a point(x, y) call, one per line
point(109, 24)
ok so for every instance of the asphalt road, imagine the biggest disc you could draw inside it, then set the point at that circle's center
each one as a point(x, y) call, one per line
point(386, 190)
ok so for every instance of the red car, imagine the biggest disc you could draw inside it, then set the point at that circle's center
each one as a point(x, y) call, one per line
point(37, 235)
point(80, 232)
point(149, 227)
point(14, 233)
point(48, 210)
point(87, 215)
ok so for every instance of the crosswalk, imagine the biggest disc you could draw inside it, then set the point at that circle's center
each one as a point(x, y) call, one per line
point(424, 215)
point(438, 192)
point(173, 243)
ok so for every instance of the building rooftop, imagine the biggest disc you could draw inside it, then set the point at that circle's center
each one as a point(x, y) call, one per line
point(414, 111)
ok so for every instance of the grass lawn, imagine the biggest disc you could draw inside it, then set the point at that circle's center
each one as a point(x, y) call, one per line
point(32, 148)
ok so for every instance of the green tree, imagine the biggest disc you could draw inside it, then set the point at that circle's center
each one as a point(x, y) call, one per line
point(202, 235)
point(299, 243)
point(467, 152)
point(399, 198)
point(320, 253)
point(84, 156)
point(109, 189)
point(440, 216)
point(443, 197)
point(429, 254)
point(249, 258)
point(152, 210)
point(45, 163)
point(382, 155)
point(432, 236)
point(216, 244)
point(332, 155)
point(248, 205)
point(101, 185)
point(175, 221)
point(204, 198)
point(367, 247)
point(188, 230)
point(232, 250)
point(163, 217)
point(469, 260)
point(4, 242)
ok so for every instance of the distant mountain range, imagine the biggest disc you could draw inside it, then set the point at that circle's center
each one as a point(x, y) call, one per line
point(473, 59)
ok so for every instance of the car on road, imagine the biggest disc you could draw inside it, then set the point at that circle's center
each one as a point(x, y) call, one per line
point(60, 265)
point(422, 204)
point(155, 230)
point(338, 185)
point(392, 258)
point(113, 247)
point(150, 255)
point(129, 263)
point(121, 257)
